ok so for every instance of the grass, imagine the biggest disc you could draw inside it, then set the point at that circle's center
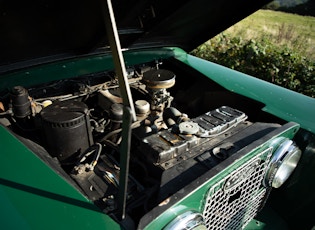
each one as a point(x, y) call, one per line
point(294, 31)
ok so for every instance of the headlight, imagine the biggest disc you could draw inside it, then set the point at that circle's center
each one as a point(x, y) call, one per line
point(187, 221)
point(282, 164)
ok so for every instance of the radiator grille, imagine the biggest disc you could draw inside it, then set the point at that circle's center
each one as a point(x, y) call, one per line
point(234, 200)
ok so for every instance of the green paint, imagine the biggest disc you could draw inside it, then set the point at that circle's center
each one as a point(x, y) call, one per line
point(76, 67)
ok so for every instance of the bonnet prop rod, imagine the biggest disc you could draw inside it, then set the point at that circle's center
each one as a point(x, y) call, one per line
point(118, 58)
point(129, 114)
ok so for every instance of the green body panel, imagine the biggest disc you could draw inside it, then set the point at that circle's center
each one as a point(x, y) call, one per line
point(33, 196)
point(76, 67)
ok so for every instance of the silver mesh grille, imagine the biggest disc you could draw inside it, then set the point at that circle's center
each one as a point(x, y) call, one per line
point(234, 200)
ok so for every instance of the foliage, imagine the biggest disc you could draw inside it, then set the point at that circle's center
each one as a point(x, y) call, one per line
point(279, 65)
point(274, 5)
point(289, 3)
point(302, 9)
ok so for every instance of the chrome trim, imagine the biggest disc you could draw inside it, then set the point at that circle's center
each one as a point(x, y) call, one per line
point(282, 164)
point(187, 221)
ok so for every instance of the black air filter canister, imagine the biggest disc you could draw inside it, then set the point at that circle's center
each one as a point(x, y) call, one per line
point(67, 129)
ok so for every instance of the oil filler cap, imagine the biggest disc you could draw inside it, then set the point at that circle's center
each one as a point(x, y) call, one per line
point(188, 127)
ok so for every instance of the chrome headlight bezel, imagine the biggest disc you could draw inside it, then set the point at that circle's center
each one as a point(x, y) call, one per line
point(283, 163)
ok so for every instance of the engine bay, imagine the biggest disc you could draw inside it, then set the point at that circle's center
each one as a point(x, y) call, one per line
point(185, 126)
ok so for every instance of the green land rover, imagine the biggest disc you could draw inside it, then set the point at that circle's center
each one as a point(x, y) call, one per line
point(106, 122)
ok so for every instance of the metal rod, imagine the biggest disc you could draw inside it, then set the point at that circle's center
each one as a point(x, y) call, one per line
point(120, 68)
point(129, 111)
point(124, 162)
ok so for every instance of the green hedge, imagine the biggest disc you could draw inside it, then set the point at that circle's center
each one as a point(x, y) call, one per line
point(263, 59)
